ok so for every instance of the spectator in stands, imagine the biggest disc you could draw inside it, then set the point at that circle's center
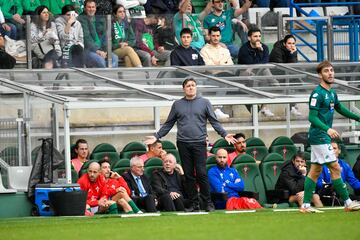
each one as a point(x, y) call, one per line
point(71, 38)
point(191, 114)
point(284, 51)
point(255, 52)
point(145, 41)
point(222, 19)
point(168, 185)
point(185, 55)
point(97, 198)
point(191, 22)
point(224, 179)
point(54, 6)
point(123, 38)
point(164, 6)
point(29, 6)
point(117, 188)
point(240, 148)
point(154, 150)
point(292, 178)
point(347, 176)
point(7, 29)
point(12, 10)
point(82, 151)
point(6, 60)
point(214, 53)
point(94, 28)
point(164, 33)
point(104, 7)
point(139, 185)
point(44, 38)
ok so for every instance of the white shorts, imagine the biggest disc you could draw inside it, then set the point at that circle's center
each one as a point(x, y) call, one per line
point(322, 154)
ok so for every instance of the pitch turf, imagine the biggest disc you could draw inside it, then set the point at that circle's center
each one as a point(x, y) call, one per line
point(264, 224)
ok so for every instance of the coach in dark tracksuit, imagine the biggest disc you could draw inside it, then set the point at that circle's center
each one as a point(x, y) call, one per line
point(191, 114)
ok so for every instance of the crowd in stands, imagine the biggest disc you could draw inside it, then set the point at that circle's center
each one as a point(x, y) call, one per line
point(165, 189)
point(144, 33)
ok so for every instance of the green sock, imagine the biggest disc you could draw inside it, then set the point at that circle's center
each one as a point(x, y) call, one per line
point(340, 188)
point(309, 189)
point(113, 209)
point(133, 206)
point(130, 212)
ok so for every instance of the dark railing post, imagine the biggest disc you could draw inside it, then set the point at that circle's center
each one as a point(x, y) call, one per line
point(330, 40)
point(28, 42)
point(108, 39)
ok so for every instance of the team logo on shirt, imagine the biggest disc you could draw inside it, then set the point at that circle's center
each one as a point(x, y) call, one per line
point(313, 102)
point(326, 96)
point(194, 56)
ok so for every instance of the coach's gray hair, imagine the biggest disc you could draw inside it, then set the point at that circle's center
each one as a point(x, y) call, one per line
point(135, 160)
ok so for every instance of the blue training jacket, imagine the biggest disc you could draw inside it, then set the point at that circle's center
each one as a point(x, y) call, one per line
point(223, 179)
point(347, 175)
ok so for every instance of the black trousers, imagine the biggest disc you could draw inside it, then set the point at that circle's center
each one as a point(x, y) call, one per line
point(145, 203)
point(193, 158)
point(169, 205)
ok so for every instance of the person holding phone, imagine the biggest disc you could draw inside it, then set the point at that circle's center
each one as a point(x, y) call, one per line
point(71, 37)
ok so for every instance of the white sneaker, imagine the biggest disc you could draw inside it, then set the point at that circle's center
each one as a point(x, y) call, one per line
point(140, 212)
point(353, 206)
point(267, 112)
point(220, 115)
point(309, 210)
point(294, 111)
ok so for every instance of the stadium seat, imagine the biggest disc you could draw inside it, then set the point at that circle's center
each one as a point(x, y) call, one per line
point(210, 162)
point(270, 169)
point(85, 167)
point(152, 164)
point(242, 158)
point(249, 172)
point(10, 155)
point(222, 143)
point(105, 149)
point(170, 147)
point(133, 149)
point(256, 148)
point(121, 166)
point(284, 146)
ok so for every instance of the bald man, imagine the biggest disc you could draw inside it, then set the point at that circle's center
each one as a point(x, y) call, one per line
point(224, 179)
point(97, 199)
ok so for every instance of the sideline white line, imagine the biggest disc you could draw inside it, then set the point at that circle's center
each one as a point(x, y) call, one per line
point(243, 211)
point(286, 210)
point(140, 215)
point(191, 213)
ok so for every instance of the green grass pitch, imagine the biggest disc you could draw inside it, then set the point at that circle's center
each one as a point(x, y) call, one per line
point(264, 224)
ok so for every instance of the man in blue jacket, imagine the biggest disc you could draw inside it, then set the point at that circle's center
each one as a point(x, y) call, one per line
point(347, 175)
point(227, 180)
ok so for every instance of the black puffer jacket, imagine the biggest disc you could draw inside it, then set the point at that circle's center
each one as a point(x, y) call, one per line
point(280, 54)
point(290, 179)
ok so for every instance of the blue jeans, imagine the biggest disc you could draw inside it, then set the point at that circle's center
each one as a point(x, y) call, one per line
point(96, 61)
point(11, 34)
point(234, 50)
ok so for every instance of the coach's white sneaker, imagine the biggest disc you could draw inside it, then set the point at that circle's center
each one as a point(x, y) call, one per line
point(353, 206)
point(309, 210)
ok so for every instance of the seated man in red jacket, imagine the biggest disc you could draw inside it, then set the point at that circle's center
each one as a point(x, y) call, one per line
point(117, 188)
point(95, 184)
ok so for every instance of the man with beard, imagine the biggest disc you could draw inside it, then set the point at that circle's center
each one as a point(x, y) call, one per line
point(97, 198)
point(117, 188)
point(322, 105)
point(224, 179)
point(240, 148)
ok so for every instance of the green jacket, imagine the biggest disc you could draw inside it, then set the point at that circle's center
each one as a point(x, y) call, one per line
point(30, 5)
point(91, 33)
point(11, 7)
point(54, 6)
point(129, 36)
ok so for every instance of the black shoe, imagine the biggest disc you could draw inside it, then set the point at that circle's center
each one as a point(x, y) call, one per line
point(210, 207)
point(193, 208)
